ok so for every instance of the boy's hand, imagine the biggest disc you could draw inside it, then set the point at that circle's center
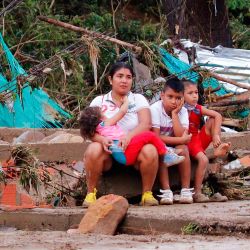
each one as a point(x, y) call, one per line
point(179, 106)
point(216, 141)
point(186, 137)
point(106, 143)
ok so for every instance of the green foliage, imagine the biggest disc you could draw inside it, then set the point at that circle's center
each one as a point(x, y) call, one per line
point(238, 4)
point(239, 22)
point(191, 228)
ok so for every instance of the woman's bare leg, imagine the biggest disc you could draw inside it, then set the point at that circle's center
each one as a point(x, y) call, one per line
point(96, 161)
point(147, 163)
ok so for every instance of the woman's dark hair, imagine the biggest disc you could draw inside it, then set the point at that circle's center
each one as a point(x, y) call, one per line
point(90, 117)
point(174, 84)
point(120, 65)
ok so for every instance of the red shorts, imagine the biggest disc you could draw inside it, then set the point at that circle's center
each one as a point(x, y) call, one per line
point(140, 140)
point(199, 142)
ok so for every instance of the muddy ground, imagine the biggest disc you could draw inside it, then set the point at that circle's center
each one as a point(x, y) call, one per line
point(17, 240)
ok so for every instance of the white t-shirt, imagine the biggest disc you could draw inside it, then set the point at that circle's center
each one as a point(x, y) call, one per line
point(161, 120)
point(109, 108)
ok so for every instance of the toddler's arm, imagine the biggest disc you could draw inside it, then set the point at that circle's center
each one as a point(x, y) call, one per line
point(119, 115)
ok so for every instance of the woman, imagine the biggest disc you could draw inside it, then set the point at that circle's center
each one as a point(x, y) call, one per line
point(97, 157)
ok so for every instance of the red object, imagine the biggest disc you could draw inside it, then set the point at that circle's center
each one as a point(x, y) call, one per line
point(11, 197)
point(140, 140)
point(199, 142)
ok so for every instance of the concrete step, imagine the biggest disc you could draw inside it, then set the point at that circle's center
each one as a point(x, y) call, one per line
point(74, 151)
point(228, 218)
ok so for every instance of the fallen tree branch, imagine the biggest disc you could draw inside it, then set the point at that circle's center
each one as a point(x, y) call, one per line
point(90, 33)
point(223, 79)
point(229, 102)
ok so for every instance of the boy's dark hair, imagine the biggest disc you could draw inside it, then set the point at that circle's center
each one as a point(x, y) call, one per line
point(174, 84)
point(90, 117)
point(188, 82)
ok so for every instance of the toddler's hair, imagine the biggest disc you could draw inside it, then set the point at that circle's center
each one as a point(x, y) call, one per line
point(174, 84)
point(90, 117)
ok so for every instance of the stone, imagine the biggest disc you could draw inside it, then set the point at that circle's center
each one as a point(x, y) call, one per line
point(66, 138)
point(29, 136)
point(103, 216)
point(4, 142)
point(76, 139)
point(52, 136)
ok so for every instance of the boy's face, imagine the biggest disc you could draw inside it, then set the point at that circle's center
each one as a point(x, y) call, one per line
point(191, 94)
point(171, 99)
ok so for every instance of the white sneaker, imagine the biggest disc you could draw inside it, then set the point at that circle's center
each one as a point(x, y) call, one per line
point(166, 197)
point(186, 196)
point(171, 158)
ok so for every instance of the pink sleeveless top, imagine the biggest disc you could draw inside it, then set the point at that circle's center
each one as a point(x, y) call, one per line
point(113, 132)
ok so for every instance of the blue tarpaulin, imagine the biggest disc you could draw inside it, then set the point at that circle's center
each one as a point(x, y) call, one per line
point(34, 108)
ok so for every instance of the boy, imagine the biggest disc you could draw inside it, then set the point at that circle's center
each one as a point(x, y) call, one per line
point(201, 139)
point(170, 122)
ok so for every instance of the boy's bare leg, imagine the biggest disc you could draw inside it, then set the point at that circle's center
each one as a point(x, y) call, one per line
point(147, 163)
point(223, 148)
point(96, 160)
point(185, 167)
point(200, 171)
point(163, 177)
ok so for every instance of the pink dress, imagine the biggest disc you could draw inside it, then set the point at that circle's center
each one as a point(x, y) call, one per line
point(113, 132)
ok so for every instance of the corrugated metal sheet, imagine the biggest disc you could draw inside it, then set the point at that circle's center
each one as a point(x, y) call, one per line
point(227, 62)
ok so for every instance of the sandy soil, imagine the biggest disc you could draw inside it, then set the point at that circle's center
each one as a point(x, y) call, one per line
point(17, 240)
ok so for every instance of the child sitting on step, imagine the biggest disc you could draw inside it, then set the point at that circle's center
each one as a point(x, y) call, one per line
point(92, 120)
point(201, 138)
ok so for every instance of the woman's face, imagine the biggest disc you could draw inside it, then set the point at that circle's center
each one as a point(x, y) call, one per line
point(121, 81)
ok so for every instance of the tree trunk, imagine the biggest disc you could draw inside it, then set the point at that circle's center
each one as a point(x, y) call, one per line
point(199, 20)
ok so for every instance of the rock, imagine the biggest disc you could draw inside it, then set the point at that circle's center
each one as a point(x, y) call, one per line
point(4, 142)
point(76, 139)
point(66, 138)
point(73, 231)
point(50, 137)
point(29, 136)
point(103, 216)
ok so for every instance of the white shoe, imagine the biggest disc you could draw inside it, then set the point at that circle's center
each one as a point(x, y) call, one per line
point(186, 196)
point(171, 159)
point(166, 197)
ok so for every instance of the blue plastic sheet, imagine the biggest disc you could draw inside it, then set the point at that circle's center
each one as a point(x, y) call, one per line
point(34, 108)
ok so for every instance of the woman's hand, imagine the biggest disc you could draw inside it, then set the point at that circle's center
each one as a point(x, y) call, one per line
point(106, 143)
point(123, 142)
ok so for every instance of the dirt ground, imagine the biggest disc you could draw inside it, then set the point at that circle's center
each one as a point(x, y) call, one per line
point(17, 240)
